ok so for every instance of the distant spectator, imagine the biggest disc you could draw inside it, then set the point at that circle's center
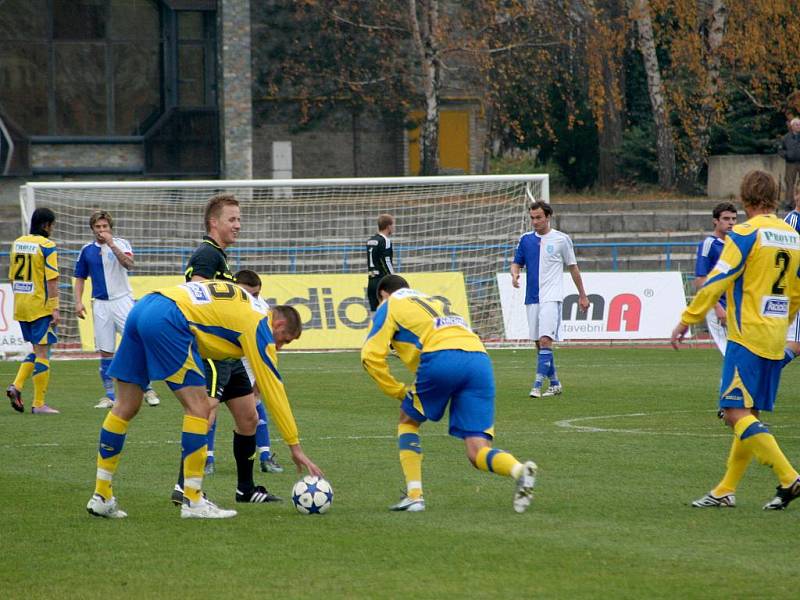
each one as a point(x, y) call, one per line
point(790, 151)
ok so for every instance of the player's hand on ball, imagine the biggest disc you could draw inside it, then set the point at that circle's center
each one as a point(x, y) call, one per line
point(300, 459)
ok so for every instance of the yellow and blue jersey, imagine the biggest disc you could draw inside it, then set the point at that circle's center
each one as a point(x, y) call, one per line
point(414, 324)
point(228, 322)
point(34, 261)
point(758, 273)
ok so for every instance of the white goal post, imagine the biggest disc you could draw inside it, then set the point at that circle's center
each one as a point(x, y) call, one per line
point(468, 224)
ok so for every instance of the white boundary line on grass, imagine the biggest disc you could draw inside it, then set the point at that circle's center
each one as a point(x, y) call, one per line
point(568, 425)
point(572, 424)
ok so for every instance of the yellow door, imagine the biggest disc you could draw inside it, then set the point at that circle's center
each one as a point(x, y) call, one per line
point(453, 142)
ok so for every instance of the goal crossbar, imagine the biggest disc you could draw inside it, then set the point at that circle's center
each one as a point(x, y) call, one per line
point(467, 224)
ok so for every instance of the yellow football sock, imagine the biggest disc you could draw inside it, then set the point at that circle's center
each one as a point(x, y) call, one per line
point(738, 461)
point(756, 437)
point(410, 458)
point(497, 461)
point(112, 439)
point(41, 379)
point(25, 370)
point(194, 449)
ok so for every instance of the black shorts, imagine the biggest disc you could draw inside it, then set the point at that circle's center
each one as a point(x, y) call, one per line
point(372, 293)
point(226, 379)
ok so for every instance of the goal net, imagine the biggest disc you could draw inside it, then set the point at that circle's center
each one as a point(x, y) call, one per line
point(467, 224)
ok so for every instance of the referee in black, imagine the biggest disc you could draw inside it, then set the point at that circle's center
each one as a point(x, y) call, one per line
point(226, 380)
point(379, 258)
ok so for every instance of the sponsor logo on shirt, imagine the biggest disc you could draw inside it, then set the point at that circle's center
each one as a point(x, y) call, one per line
point(774, 306)
point(778, 238)
point(451, 321)
point(23, 287)
point(26, 248)
point(197, 292)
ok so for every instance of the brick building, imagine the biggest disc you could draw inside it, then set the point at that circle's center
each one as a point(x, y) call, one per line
point(161, 89)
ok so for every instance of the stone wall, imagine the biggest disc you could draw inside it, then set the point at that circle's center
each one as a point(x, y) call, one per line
point(341, 145)
point(94, 156)
point(236, 106)
point(725, 172)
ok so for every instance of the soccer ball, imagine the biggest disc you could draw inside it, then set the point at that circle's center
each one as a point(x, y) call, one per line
point(312, 495)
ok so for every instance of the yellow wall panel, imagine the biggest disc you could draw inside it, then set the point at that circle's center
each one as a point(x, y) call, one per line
point(333, 308)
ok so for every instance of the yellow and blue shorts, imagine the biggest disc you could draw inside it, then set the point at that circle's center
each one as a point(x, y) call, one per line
point(748, 380)
point(158, 345)
point(465, 381)
point(40, 331)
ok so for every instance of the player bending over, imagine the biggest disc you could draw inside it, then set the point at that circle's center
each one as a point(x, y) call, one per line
point(166, 335)
point(250, 434)
point(451, 367)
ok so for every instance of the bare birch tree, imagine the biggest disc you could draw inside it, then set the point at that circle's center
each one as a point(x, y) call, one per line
point(665, 143)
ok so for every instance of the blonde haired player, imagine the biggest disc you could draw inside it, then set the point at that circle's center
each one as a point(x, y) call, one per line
point(106, 260)
point(757, 271)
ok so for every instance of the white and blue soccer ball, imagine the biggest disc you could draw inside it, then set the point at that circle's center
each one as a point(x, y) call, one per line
point(312, 495)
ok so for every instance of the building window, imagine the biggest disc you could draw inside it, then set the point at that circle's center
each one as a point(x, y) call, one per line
point(80, 67)
point(195, 57)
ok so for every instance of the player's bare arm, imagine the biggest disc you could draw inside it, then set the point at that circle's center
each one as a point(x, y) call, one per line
point(126, 260)
point(300, 459)
point(515, 270)
point(698, 282)
point(52, 294)
point(583, 299)
point(678, 334)
point(80, 309)
point(722, 316)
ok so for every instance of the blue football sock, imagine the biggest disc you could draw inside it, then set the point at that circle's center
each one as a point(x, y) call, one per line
point(212, 433)
point(544, 365)
point(262, 432)
point(552, 374)
point(108, 383)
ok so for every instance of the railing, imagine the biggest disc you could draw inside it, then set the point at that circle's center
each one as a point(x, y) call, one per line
point(352, 256)
point(615, 246)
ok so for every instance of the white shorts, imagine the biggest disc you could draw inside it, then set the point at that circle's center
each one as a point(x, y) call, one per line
point(793, 333)
point(544, 320)
point(109, 319)
point(250, 374)
point(718, 332)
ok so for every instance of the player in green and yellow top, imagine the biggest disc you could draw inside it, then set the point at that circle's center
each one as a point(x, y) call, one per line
point(166, 337)
point(758, 272)
point(33, 272)
point(451, 367)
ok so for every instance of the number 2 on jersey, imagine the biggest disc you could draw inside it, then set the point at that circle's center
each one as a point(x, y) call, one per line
point(23, 264)
point(782, 259)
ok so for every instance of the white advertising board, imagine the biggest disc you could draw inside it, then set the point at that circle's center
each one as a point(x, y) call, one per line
point(624, 306)
point(11, 341)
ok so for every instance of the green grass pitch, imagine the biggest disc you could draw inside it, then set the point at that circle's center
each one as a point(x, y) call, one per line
point(631, 442)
